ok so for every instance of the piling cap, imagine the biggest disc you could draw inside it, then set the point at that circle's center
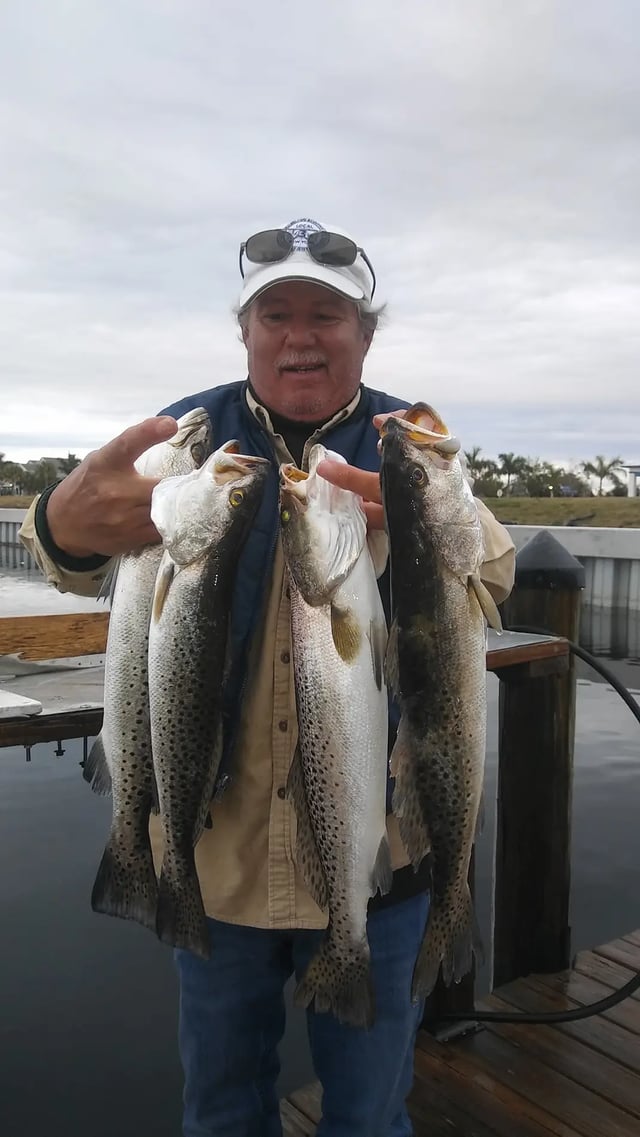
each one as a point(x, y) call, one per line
point(544, 563)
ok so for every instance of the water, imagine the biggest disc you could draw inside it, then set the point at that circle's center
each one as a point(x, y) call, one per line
point(88, 1004)
point(26, 593)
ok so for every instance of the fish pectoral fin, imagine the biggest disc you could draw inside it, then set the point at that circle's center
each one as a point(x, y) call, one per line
point(378, 641)
point(346, 633)
point(406, 803)
point(96, 768)
point(164, 577)
point(382, 875)
point(481, 816)
point(108, 585)
point(487, 603)
point(346, 536)
point(391, 666)
point(307, 855)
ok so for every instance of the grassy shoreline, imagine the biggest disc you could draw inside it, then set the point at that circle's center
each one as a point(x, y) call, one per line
point(608, 512)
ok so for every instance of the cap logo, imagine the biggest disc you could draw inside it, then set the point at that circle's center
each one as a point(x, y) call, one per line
point(300, 231)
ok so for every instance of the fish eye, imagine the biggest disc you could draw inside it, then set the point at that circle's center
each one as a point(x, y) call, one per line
point(417, 475)
point(285, 516)
point(236, 497)
point(198, 454)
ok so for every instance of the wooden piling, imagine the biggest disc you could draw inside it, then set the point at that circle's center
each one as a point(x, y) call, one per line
point(533, 840)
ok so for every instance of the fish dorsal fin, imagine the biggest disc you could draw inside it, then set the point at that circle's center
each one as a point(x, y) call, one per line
point(346, 633)
point(391, 665)
point(164, 577)
point(487, 603)
point(378, 544)
point(378, 641)
point(307, 856)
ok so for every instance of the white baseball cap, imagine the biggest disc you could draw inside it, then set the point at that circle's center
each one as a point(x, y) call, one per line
point(292, 260)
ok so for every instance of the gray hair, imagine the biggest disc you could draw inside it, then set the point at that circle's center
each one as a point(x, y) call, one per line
point(371, 316)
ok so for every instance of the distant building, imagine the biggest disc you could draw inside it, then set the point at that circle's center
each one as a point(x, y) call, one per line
point(633, 475)
point(33, 465)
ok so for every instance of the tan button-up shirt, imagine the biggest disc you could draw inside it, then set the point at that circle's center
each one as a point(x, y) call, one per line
point(246, 862)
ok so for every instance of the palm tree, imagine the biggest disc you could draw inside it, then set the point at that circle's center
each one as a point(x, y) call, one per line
point(511, 465)
point(601, 468)
point(475, 464)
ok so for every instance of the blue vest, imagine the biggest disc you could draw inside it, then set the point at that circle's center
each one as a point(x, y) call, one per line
point(356, 439)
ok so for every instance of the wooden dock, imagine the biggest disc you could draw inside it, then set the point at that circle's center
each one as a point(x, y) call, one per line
point(577, 1079)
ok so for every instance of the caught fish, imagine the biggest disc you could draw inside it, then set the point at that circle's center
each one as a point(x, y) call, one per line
point(337, 780)
point(436, 664)
point(120, 759)
point(204, 519)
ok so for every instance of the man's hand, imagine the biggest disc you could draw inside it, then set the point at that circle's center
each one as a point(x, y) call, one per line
point(104, 505)
point(360, 481)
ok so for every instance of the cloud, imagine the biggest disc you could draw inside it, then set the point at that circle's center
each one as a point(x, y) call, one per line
point(485, 154)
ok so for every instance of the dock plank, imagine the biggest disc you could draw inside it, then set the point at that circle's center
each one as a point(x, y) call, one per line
point(579, 1079)
point(294, 1123)
point(579, 990)
point(607, 1038)
point(622, 952)
point(605, 971)
point(574, 1059)
point(510, 1065)
point(488, 1104)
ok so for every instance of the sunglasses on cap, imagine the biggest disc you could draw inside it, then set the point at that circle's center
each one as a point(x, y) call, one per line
point(326, 248)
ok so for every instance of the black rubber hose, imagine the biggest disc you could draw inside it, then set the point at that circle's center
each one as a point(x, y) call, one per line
point(634, 984)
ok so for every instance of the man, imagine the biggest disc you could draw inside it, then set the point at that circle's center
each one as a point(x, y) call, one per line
point(307, 321)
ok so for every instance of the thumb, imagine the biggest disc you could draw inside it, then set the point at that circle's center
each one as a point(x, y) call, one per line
point(123, 450)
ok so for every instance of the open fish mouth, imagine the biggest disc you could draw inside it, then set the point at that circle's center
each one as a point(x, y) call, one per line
point(293, 489)
point(228, 462)
point(191, 422)
point(425, 428)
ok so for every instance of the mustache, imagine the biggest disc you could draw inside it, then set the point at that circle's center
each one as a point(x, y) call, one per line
point(301, 359)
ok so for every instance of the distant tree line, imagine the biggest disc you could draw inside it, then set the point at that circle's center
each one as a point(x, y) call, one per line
point(32, 477)
point(511, 474)
point(518, 476)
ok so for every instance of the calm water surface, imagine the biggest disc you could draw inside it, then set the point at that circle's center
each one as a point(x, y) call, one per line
point(88, 1004)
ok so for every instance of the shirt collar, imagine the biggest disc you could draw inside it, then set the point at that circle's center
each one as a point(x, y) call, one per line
point(262, 415)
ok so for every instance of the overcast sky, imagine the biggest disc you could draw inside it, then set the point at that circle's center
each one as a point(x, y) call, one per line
point(486, 154)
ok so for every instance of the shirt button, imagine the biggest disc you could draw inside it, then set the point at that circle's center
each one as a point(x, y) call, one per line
point(285, 657)
point(283, 725)
point(282, 793)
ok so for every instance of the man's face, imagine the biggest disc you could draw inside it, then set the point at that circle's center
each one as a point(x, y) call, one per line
point(305, 346)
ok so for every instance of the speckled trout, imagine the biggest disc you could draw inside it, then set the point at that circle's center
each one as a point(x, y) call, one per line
point(204, 519)
point(337, 781)
point(436, 665)
point(120, 759)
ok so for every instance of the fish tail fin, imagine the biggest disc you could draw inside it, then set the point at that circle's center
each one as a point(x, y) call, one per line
point(340, 983)
point(180, 919)
point(126, 885)
point(448, 941)
point(96, 768)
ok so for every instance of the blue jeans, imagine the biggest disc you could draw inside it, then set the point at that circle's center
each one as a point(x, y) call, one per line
point(232, 1018)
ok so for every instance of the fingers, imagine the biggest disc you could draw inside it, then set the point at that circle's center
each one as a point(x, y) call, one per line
point(375, 515)
point(123, 450)
point(379, 419)
point(362, 482)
